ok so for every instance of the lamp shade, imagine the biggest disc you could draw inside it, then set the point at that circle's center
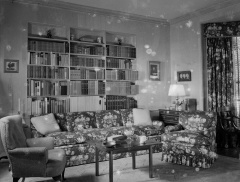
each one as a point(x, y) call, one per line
point(176, 90)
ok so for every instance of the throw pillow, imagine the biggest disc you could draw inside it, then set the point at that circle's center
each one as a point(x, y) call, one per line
point(141, 117)
point(45, 124)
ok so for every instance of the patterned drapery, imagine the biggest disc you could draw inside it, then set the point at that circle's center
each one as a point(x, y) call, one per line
point(226, 29)
point(220, 73)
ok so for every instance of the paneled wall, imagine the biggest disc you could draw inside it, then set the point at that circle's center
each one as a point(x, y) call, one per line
point(152, 44)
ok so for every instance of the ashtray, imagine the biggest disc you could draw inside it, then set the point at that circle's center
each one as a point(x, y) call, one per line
point(110, 143)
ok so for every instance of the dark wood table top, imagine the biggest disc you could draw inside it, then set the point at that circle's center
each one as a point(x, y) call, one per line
point(124, 146)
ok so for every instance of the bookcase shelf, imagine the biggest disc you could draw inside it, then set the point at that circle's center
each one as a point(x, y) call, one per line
point(78, 69)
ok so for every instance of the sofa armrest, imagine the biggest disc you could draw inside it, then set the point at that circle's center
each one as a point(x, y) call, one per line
point(47, 142)
point(171, 128)
point(21, 155)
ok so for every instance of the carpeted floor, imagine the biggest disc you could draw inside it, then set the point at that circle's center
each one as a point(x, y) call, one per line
point(225, 169)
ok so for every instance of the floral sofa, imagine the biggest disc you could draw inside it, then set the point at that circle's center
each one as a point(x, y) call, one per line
point(192, 141)
point(72, 131)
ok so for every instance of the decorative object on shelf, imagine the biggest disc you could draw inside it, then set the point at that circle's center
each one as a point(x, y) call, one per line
point(50, 33)
point(154, 70)
point(184, 76)
point(11, 66)
point(177, 90)
point(72, 36)
point(99, 40)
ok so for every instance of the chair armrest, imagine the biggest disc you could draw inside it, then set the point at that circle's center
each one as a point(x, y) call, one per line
point(39, 154)
point(47, 142)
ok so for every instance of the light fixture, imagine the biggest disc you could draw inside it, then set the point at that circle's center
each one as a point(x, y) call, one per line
point(176, 90)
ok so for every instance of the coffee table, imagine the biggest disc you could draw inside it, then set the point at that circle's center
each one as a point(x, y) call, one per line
point(132, 147)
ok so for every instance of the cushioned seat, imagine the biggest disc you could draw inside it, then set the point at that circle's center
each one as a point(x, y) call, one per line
point(195, 143)
point(30, 157)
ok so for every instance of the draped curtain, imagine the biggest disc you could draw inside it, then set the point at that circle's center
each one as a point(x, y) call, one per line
point(220, 73)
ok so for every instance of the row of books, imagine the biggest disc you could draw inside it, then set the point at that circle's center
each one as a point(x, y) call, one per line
point(120, 102)
point(47, 46)
point(83, 73)
point(120, 51)
point(119, 63)
point(46, 88)
point(87, 103)
point(75, 104)
point(49, 72)
point(48, 105)
point(44, 58)
point(87, 87)
point(118, 88)
point(88, 50)
point(122, 75)
point(86, 62)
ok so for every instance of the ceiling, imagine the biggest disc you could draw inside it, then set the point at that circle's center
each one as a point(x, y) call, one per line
point(160, 9)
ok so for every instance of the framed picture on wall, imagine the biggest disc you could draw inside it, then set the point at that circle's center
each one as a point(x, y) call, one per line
point(184, 76)
point(11, 66)
point(154, 70)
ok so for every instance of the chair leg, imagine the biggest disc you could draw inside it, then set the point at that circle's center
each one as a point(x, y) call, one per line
point(15, 179)
point(63, 178)
point(57, 178)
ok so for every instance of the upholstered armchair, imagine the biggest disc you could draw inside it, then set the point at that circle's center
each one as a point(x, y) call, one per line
point(30, 157)
point(193, 141)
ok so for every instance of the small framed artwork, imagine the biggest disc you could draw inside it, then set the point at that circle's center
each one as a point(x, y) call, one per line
point(11, 66)
point(184, 76)
point(154, 70)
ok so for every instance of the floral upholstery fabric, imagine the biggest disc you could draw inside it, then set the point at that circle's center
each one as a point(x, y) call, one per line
point(127, 116)
point(108, 118)
point(190, 137)
point(187, 154)
point(74, 121)
point(170, 128)
point(67, 138)
point(196, 141)
point(78, 152)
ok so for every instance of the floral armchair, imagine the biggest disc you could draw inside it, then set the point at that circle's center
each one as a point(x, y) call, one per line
point(192, 141)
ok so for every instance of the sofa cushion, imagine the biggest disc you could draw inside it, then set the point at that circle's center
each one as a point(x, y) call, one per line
point(67, 138)
point(64, 124)
point(45, 124)
point(186, 136)
point(127, 117)
point(141, 117)
point(74, 121)
point(83, 120)
point(108, 118)
point(197, 120)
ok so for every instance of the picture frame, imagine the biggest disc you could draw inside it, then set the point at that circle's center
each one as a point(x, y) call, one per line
point(184, 76)
point(11, 66)
point(154, 70)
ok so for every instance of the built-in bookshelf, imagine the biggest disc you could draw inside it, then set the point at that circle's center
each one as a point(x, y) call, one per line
point(77, 69)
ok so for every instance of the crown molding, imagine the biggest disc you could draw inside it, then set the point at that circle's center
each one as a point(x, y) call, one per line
point(204, 11)
point(88, 9)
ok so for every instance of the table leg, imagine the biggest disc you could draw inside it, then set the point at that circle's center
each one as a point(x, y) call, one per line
point(97, 161)
point(110, 166)
point(150, 163)
point(133, 160)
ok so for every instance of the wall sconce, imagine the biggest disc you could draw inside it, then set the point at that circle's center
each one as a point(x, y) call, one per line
point(177, 90)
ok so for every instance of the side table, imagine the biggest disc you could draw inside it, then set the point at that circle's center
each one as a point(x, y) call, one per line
point(169, 117)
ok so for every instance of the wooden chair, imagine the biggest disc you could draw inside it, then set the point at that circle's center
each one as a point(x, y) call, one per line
point(227, 129)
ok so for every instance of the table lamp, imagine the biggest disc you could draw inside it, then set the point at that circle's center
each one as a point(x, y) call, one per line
point(176, 90)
